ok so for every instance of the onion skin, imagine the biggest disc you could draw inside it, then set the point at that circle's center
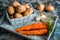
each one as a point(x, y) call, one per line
point(40, 7)
point(49, 8)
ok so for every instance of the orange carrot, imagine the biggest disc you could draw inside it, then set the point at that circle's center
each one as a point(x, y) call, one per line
point(34, 32)
point(40, 25)
point(33, 29)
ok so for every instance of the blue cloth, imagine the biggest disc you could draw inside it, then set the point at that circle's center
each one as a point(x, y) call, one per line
point(3, 22)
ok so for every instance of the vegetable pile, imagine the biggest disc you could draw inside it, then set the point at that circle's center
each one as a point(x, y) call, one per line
point(17, 10)
point(46, 20)
point(33, 29)
point(42, 26)
point(41, 7)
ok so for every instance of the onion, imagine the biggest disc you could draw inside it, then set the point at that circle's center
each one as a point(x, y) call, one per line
point(40, 7)
point(49, 8)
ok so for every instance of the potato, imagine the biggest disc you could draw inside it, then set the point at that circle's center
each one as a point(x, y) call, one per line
point(28, 12)
point(11, 10)
point(20, 9)
point(26, 5)
point(18, 15)
point(15, 4)
point(11, 16)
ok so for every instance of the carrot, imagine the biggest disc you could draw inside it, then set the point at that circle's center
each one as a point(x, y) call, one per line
point(34, 32)
point(33, 29)
point(39, 25)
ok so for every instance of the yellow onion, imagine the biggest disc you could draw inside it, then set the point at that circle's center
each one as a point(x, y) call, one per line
point(49, 8)
point(40, 7)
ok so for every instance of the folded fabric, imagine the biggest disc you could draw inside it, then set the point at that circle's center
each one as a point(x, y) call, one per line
point(5, 23)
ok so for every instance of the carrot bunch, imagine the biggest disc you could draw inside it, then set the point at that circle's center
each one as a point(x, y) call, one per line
point(33, 29)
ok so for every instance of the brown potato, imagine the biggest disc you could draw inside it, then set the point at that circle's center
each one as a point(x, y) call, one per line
point(20, 9)
point(11, 16)
point(18, 15)
point(28, 12)
point(26, 5)
point(15, 4)
point(11, 10)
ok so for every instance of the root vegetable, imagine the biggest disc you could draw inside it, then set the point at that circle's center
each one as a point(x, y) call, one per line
point(20, 9)
point(27, 5)
point(29, 11)
point(49, 8)
point(40, 7)
point(18, 15)
point(11, 16)
point(34, 32)
point(40, 25)
point(11, 10)
point(15, 4)
point(33, 29)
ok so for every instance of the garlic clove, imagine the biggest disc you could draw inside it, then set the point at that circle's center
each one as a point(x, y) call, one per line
point(38, 18)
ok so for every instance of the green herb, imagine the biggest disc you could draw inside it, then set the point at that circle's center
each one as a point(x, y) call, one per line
point(49, 24)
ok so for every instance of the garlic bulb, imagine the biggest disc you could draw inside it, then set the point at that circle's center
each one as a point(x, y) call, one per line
point(40, 17)
point(29, 11)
